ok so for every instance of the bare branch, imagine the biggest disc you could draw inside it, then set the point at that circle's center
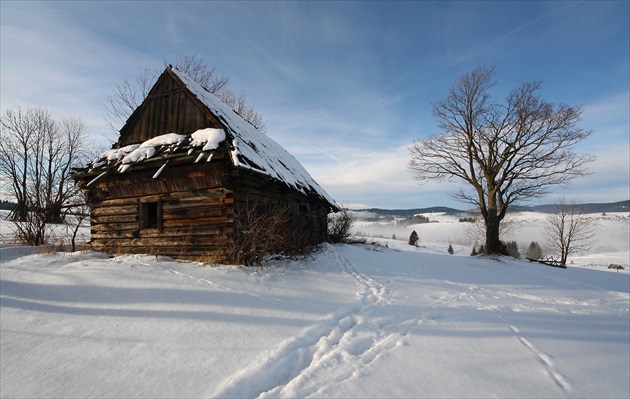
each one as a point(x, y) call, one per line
point(128, 95)
point(569, 230)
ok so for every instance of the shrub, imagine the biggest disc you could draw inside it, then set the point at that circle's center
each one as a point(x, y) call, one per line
point(339, 225)
point(31, 230)
point(413, 238)
point(473, 252)
point(263, 231)
point(482, 249)
point(450, 249)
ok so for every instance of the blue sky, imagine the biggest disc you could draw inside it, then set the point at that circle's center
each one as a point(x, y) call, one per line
point(344, 86)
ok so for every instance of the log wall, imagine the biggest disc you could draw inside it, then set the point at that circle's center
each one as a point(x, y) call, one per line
point(197, 207)
point(196, 212)
point(310, 212)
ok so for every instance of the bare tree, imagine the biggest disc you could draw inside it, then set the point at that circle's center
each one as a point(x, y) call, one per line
point(66, 146)
point(22, 132)
point(36, 156)
point(568, 230)
point(129, 94)
point(238, 103)
point(25, 157)
point(503, 152)
point(339, 225)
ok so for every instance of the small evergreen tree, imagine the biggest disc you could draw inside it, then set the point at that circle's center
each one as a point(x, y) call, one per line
point(393, 236)
point(450, 249)
point(534, 251)
point(473, 252)
point(482, 249)
point(512, 249)
point(413, 238)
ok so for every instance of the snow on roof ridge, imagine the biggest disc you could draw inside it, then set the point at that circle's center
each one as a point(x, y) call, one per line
point(254, 150)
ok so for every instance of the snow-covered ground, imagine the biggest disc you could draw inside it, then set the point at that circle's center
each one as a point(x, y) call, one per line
point(352, 321)
point(611, 243)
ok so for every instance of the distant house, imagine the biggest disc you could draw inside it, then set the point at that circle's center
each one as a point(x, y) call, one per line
point(184, 168)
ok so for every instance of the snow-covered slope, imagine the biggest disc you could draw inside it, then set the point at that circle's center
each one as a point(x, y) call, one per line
point(354, 321)
point(611, 244)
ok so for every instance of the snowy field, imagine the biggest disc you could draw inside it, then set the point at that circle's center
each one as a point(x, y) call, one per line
point(352, 321)
point(611, 243)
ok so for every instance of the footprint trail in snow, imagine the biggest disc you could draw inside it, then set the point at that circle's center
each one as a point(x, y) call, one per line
point(334, 350)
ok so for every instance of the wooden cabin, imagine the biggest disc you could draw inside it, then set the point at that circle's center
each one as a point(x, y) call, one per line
point(184, 170)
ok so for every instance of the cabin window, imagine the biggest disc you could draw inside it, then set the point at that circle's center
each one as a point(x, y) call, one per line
point(151, 215)
point(299, 215)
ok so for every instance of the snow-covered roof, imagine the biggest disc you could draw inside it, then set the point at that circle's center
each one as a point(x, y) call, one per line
point(248, 147)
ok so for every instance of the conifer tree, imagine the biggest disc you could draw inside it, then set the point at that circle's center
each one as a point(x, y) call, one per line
point(512, 249)
point(413, 238)
point(534, 251)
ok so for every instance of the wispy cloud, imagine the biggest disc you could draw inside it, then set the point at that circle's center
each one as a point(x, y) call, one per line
point(344, 86)
point(608, 117)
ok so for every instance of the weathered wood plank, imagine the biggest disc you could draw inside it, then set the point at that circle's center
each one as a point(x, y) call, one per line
point(115, 210)
point(549, 262)
point(196, 212)
point(174, 206)
point(150, 242)
point(197, 195)
point(172, 251)
point(114, 227)
point(107, 219)
point(197, 222)
point(173, 234)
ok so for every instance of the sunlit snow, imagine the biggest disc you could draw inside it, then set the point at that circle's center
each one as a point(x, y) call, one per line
point(376, 320)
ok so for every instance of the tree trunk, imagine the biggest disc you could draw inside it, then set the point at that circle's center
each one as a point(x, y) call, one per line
point(53, 214)
point(564, 254)
point(493, 243)
point(19, 213)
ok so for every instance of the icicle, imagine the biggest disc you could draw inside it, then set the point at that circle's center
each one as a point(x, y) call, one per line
point(191, 151)
point(199, 157)
point(209, 158)
point(123, 168)
point(157, 174)
point(97, 178)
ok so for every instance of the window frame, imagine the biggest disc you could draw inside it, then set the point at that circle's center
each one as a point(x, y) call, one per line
point(150, 215)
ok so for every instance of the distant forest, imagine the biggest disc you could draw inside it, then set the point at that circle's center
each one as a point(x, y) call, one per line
point(621, 206)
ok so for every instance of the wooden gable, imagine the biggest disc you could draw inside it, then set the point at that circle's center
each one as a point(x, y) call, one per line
point(169, 107)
